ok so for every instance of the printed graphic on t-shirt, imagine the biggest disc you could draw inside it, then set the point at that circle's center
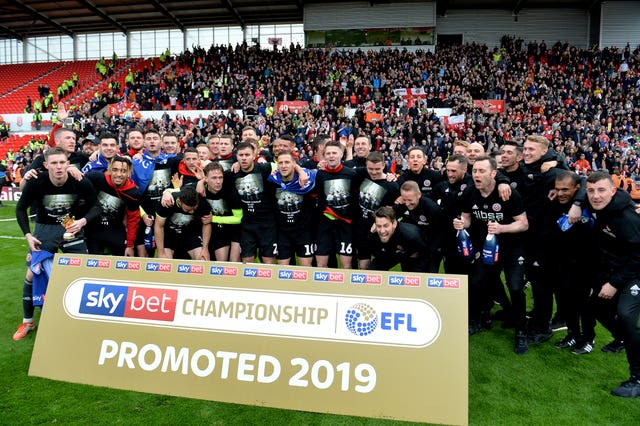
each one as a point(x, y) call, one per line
point(370, 197)
point(250, 190)
point(179, 222)
point(289, 204)
point(219, 207)
point(58, 205)
point(337, 192)
point(160, 181)
point(110, 206)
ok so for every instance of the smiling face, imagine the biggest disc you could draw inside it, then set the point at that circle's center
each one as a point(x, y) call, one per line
point(566, 189)
point(119, 172)
point(385, 228)
point(108, 148)
point(600, 193)
point(333, 156)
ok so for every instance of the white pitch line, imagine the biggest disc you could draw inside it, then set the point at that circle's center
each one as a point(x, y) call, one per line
point(9, 237)
point(8, 220)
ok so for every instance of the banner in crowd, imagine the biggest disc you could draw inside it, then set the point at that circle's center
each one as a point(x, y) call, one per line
point(490, 106)
point(391, 345)
point(123, 107)
point(373, 117)
point(294, 107)
point(10, 193)
point(455, 122)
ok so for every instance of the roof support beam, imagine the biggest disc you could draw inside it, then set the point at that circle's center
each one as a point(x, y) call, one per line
point(104, 16)
point(518, 7)
point(31, 11)
point(162, 8)
point(11, 33)
point(441, 7)
point(235, 13)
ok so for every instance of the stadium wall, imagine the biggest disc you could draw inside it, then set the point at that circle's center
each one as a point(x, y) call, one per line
point(361, 15)
point(620, 24)
point(488, 26)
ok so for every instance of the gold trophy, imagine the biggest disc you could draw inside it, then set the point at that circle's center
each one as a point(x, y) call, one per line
point(66, 222)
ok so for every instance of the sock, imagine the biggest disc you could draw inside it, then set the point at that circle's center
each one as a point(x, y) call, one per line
point(27, 301)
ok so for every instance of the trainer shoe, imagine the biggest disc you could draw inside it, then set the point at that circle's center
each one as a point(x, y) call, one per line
point(614, 347)
point(567, 343)
point(558, 324)
point(540, 336)
point(521, 347)
point(628, 389)
point(584, 349)
point(23, 330)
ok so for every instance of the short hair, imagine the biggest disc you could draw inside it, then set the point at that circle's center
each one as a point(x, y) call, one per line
point(385, 212)
point(60, 131)
point(333, 143)
point(54, 151)
point(566, 174)
point(249, 128)
point(214, 165)
point(188, 196)
point(460, 142)
point(515, 144)
point(135, 130)
point(460, 159)
point(246, 144)
point(375, 157)
point(539, 140)
point(492, 161)
point(416, 148)
point(151, 131)
point(599, 175)
point(119, 159)
point(191, 149)
point(169, 134)
point(365, 136)
point(107, 135)
point(286, 152)
point(410, 186)
point(319, 140)
point(287, 138)
point(203, 145)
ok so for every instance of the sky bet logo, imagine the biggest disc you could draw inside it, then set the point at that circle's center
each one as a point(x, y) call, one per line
point(366, 279)
point(69, 261)
point(329, 277)
point(190, 269)
point(158, 267)
point(287, 274)
point(443, 282)
point(98, 263)
point(257, 273)
point(225, 271)
point(129, 302)
point(407, 281)
point(127, 265)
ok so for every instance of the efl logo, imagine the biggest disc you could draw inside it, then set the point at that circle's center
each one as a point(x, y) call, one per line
point(286, 274)
point(257, 273)
point(98, 263)
point(129, 302)
point(409, 281)
point(330, 277)
point(223, 271)
point(190, 269)
point(366, 279)
point(158, 267)
point(69, 261)
point(127, 265)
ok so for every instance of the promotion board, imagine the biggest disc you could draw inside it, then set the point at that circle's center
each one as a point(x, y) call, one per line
point(364, 343)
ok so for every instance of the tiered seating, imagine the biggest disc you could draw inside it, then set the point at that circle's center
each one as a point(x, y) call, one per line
point(15, 142)
point(15, 75)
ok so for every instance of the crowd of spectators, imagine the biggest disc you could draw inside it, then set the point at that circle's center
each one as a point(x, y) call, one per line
point(585, 101)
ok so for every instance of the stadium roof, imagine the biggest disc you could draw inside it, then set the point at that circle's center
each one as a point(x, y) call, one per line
point(34, 18)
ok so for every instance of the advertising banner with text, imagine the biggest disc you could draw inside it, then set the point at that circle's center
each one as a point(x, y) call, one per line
point(364, 343)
